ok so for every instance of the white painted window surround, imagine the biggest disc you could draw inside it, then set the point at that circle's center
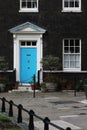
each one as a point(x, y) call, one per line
point(71, 54)
point(71, 5)
point(28, 6)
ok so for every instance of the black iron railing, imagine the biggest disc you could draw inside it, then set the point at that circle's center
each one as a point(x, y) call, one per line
point(31, 114)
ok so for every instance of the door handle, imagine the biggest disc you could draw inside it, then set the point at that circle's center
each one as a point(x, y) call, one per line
point(28, 61)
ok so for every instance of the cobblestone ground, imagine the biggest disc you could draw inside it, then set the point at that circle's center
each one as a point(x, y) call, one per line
point(55, 105)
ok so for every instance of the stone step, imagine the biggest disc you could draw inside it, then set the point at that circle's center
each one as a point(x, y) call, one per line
point(22, 88)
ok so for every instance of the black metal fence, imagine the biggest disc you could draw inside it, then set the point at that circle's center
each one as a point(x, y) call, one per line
point(31, 114)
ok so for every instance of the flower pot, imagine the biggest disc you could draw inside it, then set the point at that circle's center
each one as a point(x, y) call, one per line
point(16, 85)
point(43, 90)
point(51, 87)
point(85, 89)
point(33, 86)
point(2, 87)
point(8, 87)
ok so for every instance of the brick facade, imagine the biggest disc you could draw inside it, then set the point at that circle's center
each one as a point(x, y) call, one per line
point(58, 25)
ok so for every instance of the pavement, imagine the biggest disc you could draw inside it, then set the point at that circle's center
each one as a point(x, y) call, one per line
point(62, 108)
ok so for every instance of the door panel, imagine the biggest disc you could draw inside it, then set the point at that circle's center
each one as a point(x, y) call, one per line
point(28, 64)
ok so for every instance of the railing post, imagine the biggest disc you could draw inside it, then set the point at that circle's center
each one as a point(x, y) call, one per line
point(3, 104)
point(19, 119)
point(68, 128)
point(34, 80)
point(31, 120)
point(10, 108)
point(38, 77)
point(46, 123)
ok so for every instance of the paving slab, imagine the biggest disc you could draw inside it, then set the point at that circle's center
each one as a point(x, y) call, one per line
point(60, 123)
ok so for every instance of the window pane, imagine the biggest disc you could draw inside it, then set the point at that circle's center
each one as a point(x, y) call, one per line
point(72, 64)
point(77, 64)
point(23, 3)
point(29, 5)
point(77, 57)
point(66, 49)
point(66, 61)
point(71, 49)
point(66, 64)
point(66, 3)
point(77, 43)
point(77, 50)
point(34, 3)
point(71, 42)
point(33, 43)
point(77, 3)
point(66, 43)
point(22, 43)
point(71, 3)
point(28, 43)
point(72, 57)
point(66, 57)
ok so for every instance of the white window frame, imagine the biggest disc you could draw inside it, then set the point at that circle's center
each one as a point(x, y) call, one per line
point(69, 53)
point(26, 9)
point(71, 9)
point(32, 43)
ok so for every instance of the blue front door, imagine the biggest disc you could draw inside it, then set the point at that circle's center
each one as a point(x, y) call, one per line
point(28, 64)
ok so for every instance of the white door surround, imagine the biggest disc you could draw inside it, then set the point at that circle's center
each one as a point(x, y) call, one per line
point(27, 32)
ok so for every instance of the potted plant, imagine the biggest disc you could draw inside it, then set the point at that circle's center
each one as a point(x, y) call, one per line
point(79, 85)
point(3, 78)
point(51, 82)
point(50, 62)
point(16, 85)
point(85, 87)
point(2, 84)
point(43, 87)
point(3, 64)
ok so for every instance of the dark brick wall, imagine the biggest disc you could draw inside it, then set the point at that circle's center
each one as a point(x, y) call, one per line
point(58, 24)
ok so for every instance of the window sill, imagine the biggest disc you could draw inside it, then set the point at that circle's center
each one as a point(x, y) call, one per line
point(28, 11)
point(71, 11)
point(71, 70)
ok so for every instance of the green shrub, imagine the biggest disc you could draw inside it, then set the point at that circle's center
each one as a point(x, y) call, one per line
point(4, 118)
point(50, 62)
